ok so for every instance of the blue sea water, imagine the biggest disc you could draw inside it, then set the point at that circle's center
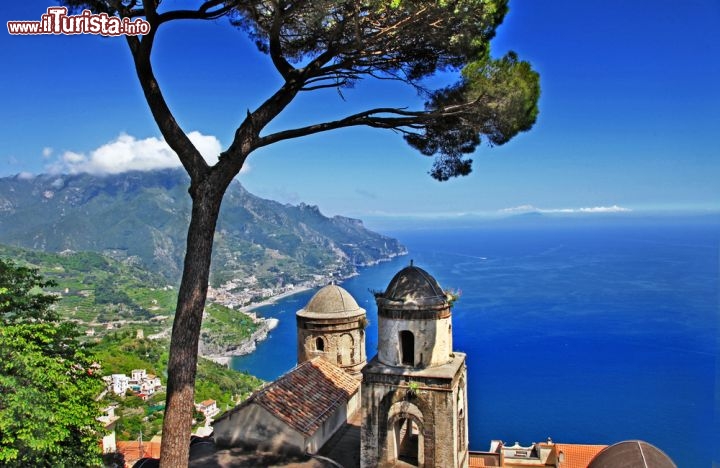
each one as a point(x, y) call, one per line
point(583, 332)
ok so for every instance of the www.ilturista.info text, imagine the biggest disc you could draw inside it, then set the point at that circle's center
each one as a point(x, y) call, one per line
point(57, 21)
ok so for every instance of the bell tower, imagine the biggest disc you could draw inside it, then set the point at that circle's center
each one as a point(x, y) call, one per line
point(413, 391)
point(332, 325)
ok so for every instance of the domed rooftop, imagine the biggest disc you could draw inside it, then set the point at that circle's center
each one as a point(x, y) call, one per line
point(632, 454)
point(331, 301)
point(413, 285)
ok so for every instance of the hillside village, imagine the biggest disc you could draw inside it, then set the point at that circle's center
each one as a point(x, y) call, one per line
point(143, 385)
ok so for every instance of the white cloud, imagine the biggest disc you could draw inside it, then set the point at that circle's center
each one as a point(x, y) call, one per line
point(605, 209)
point(594, 209)
point(73, 158)
point(127, 153)
point(519, 209)
point(47, 152)
point(25, 176)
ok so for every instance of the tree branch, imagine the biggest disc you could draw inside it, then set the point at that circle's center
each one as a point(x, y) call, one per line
point(174, 136)
point(368, 118)
point(337, 84)
point(203, 13)
point(247, 134)
point(280, 62)
point(316, 66)
point(371, 118)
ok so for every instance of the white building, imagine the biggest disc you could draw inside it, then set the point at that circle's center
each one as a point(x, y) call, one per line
point(120, 383)
point(150, 384)
point(208, 408)
point(138, 375)
point(108, 420)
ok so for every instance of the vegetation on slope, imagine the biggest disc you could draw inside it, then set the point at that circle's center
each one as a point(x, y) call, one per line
point(95, 291)
point(48, 382)
point(224, 328)
point(91, 291)
point(141, 218)
point(122, 351)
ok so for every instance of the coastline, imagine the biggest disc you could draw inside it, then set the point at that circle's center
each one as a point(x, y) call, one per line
point(272, 299)
point(249, 345)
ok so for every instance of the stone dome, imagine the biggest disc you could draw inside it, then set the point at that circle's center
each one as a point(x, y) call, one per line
point(331, 301)
point(415, 286)
point(632, 454)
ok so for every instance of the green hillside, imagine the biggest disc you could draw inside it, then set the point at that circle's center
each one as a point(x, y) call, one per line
point(101, 294)
point(115, 300)
point(121, 352)
point(142, 218)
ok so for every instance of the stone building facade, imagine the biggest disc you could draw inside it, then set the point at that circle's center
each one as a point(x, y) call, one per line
point(413, 391)
point(332, 326)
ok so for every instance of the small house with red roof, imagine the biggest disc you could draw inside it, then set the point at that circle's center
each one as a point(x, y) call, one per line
point(208, 408)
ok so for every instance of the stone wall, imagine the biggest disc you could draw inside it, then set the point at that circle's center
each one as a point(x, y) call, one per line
point(432, 341)
point(430, 400)
point(343, 341)
point(254, 427)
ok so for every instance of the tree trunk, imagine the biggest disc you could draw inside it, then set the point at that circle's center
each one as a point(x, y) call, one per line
point(180, 399)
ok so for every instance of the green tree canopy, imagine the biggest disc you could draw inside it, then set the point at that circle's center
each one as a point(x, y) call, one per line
point(47, 383)
point(21, 298)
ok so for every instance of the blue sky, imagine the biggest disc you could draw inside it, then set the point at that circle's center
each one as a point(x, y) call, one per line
point(629, 113)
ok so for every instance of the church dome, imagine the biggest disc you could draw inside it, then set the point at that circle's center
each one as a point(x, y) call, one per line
point(414, 286)
point(331, 301)
point(632, 454)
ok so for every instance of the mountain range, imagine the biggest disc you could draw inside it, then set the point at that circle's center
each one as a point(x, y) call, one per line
point(142, 218)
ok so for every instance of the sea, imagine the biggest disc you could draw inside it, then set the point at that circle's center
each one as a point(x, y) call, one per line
point(586, 330)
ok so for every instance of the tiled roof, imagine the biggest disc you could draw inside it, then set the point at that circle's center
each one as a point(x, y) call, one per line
point(482, 460)
point(207, 403)
point(131, 449)
point(307, 395)
point(577, 455)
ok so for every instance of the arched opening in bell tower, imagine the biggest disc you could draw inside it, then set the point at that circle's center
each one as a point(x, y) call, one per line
point(461, 418)
point(347, 350)
point(319, 344)
point(407, 435)
point(407, 348)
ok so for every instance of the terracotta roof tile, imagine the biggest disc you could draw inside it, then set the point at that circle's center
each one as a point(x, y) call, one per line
point(307, 395)
point(482, 460)
point(577, 455)
point(131, 449)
